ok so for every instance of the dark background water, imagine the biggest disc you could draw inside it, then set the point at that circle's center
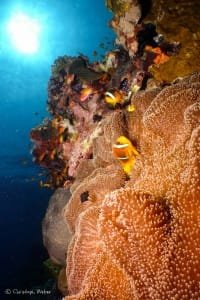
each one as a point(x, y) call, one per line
point(68, 27)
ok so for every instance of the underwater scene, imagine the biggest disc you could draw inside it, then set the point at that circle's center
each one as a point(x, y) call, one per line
point(100, 149)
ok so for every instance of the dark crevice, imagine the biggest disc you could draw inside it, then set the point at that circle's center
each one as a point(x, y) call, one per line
point(146, 7)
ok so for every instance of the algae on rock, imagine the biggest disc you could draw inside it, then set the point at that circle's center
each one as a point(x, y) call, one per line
point(177, 21)
point(118, 7)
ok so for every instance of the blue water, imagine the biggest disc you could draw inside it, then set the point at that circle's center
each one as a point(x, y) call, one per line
point(67, 27)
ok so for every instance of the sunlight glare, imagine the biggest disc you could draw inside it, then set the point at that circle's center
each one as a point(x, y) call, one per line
point(24, 33)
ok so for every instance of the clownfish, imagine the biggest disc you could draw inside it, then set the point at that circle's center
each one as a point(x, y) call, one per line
point(126, 153)
point(114, 98)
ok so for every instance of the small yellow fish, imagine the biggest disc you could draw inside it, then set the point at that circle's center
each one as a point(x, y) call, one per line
point(69, 78)
point(130, 108)
point(135, 88)
point(55, 122)
point(41, 156)
point(126, 153)
point(44, 185)
point(86, 92)
point(52, 154)
point(60, 128)
point(61, 139)
point(114, 98)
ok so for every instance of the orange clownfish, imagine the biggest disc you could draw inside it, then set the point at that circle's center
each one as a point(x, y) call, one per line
point(126, 153)
point(114, 98)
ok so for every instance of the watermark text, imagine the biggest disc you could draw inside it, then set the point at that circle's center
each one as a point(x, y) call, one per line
point(24, 292)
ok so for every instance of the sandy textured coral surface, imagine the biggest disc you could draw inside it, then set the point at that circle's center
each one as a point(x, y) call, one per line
point(135, 228)
point(106, 281)
point(92, 191)
point(83, 249)
point(155, 242)
point(142, 240)
point(166, 128)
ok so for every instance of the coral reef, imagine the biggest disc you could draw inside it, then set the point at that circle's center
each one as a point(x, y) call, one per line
point(126, 17)
point(124, 138)
point(177, 21)
point(80, 96)
point(141, 241)
point(48, 148)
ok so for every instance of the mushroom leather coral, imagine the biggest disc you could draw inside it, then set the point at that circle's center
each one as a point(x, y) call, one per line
point(143, 238)
point(164, 135)
point(84, 240)
point(85, 256)
point(106, 281)
point(96, 185)
point(155, 242)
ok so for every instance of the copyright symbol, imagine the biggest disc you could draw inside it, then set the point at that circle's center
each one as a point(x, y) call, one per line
point(7, 291)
